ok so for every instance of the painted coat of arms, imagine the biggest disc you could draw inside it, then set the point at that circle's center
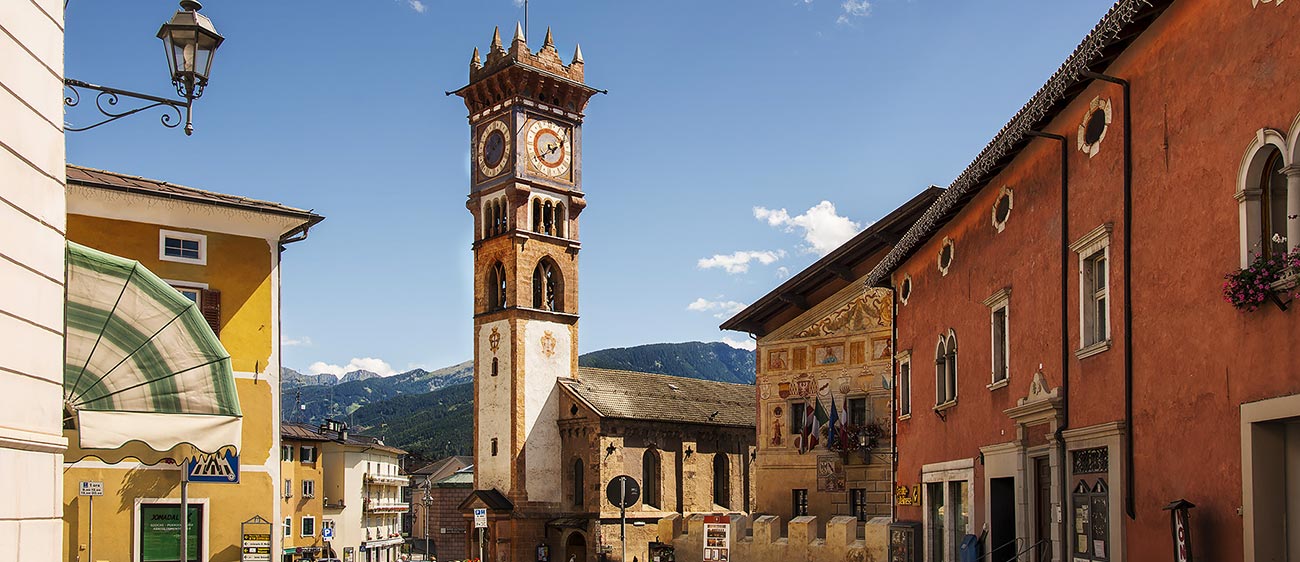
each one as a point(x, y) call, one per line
point(548, 344)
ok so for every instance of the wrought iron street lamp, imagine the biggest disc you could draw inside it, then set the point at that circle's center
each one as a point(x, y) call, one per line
point(191, 41)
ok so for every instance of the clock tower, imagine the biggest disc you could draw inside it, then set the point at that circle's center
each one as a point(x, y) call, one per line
point(525, 117)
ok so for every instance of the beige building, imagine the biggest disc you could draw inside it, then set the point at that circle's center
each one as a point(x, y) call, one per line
point(32, 227)
point(823, 340)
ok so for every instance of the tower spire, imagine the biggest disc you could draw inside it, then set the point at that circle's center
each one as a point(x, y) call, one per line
point(577, 54)
point(519, 33)
point(549, 43)
point(496, 40)
point(474, 62)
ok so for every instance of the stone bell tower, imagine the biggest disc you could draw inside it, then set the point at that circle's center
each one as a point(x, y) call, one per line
point(525, 116)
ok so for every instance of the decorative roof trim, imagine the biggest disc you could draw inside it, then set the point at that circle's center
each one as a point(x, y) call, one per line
point(1003, 144)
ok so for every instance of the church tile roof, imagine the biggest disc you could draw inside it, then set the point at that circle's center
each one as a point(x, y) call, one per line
point(654, 397)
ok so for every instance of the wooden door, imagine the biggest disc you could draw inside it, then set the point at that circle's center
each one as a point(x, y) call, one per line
point(1042, 509)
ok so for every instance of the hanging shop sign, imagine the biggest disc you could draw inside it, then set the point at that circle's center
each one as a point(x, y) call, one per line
point(717, 538)
point(904, 495)
point(218, 468)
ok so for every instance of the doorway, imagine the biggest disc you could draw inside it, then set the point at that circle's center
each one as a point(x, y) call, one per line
point(1002, 519)
point(575, 548)
point(1042, 551)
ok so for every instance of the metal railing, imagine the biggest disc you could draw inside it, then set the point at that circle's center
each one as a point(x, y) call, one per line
point(1040, 551)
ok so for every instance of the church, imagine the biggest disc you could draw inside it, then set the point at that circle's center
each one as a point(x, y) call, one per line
point(549, 435)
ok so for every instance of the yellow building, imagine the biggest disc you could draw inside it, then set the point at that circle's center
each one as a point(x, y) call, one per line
point(301, 487)
point(222, 252)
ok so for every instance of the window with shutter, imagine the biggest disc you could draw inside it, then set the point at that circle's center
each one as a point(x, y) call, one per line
point(210, 305)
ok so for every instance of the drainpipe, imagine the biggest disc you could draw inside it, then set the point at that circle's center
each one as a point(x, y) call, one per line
point(1129, 501)
point(893, 409)
point(1065, 326)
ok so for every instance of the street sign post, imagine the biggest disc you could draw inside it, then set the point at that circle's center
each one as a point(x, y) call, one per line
point(90, 489)
point(480, 525)
point(327, 534)
point(623, 491)
point(256, 543)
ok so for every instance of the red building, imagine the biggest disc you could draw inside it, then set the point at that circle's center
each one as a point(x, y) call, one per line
point(1066, 363)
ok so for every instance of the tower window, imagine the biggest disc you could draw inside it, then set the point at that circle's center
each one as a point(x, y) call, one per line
point(494, 366)
point(559, 220)
point(577, 482)
point(537, 215)
point(548, 218)
point(547, 286)
point(494, 446)
point(496, 287)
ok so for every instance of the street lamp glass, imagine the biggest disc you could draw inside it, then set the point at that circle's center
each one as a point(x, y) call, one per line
point(190, 40)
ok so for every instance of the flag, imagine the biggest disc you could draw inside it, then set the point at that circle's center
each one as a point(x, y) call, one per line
point(833, 429)
point(844, 423)
point(809, 438)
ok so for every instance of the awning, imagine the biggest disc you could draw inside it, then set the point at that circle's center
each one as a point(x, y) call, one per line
point(141, 363)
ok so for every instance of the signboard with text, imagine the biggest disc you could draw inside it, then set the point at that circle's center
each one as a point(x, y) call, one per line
point(91, 488)
point(480, 518)
point(160, 532)
point(717, 538)
point(255, 540)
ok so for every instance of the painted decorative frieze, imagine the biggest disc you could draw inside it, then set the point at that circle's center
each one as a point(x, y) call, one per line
point(869, 311)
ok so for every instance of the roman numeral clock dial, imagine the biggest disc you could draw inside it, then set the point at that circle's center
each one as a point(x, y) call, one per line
point(492, 143)
point(548, 148)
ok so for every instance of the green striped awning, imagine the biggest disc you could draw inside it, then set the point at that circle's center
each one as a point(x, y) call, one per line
point(141, 363)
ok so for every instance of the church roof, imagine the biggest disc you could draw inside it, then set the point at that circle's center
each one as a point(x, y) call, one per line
point(654, 397)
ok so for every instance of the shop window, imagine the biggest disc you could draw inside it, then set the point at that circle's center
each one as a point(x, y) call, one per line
point(799, 502)
point(159, 531)
point(947, 512)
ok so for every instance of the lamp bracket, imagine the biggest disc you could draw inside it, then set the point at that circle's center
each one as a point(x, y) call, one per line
point(107, 99)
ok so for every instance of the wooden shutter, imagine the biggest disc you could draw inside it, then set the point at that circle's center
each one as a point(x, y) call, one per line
point(210, 305)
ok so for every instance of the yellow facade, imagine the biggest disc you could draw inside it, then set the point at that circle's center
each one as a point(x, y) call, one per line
point(300, 501)
point(242, 261)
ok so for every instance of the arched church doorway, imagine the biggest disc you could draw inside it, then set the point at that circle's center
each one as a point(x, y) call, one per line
point(575, 548)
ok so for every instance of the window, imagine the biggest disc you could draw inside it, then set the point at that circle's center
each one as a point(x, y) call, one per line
point(547, 286)
point(548, 218)
point(496, 287)
point(1002, 208)
point(857, 412)
point(1273, 211)
point(1093, 129)
point(947, 507)
point(999, 304)
point(308, 526)
point(288, 526)
point(650, 478)
point(945, 370)
point(721, 480)
point(559, 220)
point(495, 366)
point(537, 215)
point(1094, 296)
point(905, 386)
point(799, 502)
point(288, 488)
point(308, 488)
point(858, 503)
point(796, 419)
point(494, 446)
point(945, 255)
point(183, 247)
point(209, 301)
point(905, 290)
point(307, 454)
point(286, 452)
point(577, 482)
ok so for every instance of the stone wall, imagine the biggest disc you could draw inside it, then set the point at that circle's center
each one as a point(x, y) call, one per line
point(760, 540)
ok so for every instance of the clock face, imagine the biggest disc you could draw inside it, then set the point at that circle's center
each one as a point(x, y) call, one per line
point(492, 141)
point(548, 148)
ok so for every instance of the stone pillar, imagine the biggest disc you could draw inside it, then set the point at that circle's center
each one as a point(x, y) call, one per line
point(767, 529)
point(803, 530)
point(670, 527)
point(841, 531)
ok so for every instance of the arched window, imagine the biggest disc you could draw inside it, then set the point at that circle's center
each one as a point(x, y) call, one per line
point(496, 287)
point(537, 215)
point(721, 480)
point(559, 220)
point(945, 369)
point(1273, 213)
point(577, 482)
point(548, 218)
point(547, 286)
point(494, 366)
point(650, 483)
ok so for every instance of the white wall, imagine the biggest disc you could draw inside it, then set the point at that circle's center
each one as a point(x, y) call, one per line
point(32, 219)
point(493, 409)
point(541, 406)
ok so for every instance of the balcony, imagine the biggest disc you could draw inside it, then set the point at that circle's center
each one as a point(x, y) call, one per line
point(387, 479)
point(376, 506)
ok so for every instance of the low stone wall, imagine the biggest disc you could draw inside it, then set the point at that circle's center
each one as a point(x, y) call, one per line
point(765, 543)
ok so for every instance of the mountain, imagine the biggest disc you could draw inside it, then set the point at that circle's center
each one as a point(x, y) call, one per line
point(312, 403)
point(294, 378)
point(358, 375)
point(712, 361)
point(429, 426)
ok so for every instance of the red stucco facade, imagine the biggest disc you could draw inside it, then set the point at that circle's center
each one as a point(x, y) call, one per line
point(1206, 77)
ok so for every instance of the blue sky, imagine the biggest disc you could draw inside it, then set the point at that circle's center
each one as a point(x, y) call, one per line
point(740, 140)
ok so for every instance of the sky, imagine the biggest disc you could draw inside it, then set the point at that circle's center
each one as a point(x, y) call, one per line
point(740, 141)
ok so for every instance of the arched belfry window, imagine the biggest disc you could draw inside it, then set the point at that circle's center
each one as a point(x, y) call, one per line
point(548, 218)
point(721, 480)
point(650, 483)
point(577, 482)
point(496, 287)
point(560, 220)
point(537, 215)
point(547, 286)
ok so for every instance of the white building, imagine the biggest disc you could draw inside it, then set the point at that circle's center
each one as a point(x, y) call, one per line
point(363, 495)
point(32, 218)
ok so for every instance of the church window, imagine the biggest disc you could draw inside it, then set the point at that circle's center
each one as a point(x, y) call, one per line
point(559, 220)
point(494, 366)
point(537, 215)
point(496, 287)
point(721, 480)
point(577, 482)
point(548, 218)
point(650, 478)
point(546, 286)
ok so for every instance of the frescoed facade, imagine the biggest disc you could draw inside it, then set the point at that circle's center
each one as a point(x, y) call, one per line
point(223, 253)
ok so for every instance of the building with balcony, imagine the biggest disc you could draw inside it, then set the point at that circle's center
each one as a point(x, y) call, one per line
point(436, 526)
point(302, 505)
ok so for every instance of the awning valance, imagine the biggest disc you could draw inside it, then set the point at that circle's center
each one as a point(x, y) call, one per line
point(141, 363)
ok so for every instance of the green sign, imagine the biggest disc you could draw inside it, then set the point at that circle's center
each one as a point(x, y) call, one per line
point(160, 532)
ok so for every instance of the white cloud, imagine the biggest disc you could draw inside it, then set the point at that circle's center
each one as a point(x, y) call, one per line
point(738, 262)
point(853, 9)
point(519, 3)
point(745, 343)
point(304, 341)
point(417, 5)
point(782, 272)
point(822, 228)
point(721, 308)
point(371, 364)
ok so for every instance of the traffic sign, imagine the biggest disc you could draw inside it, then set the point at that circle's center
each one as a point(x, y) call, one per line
point(480, 518)
point(327, 533)
point(92, 488)
point(620, 496)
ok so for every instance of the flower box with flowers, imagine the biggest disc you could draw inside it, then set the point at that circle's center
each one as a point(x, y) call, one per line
point(860, 439)
point(1265, 278)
